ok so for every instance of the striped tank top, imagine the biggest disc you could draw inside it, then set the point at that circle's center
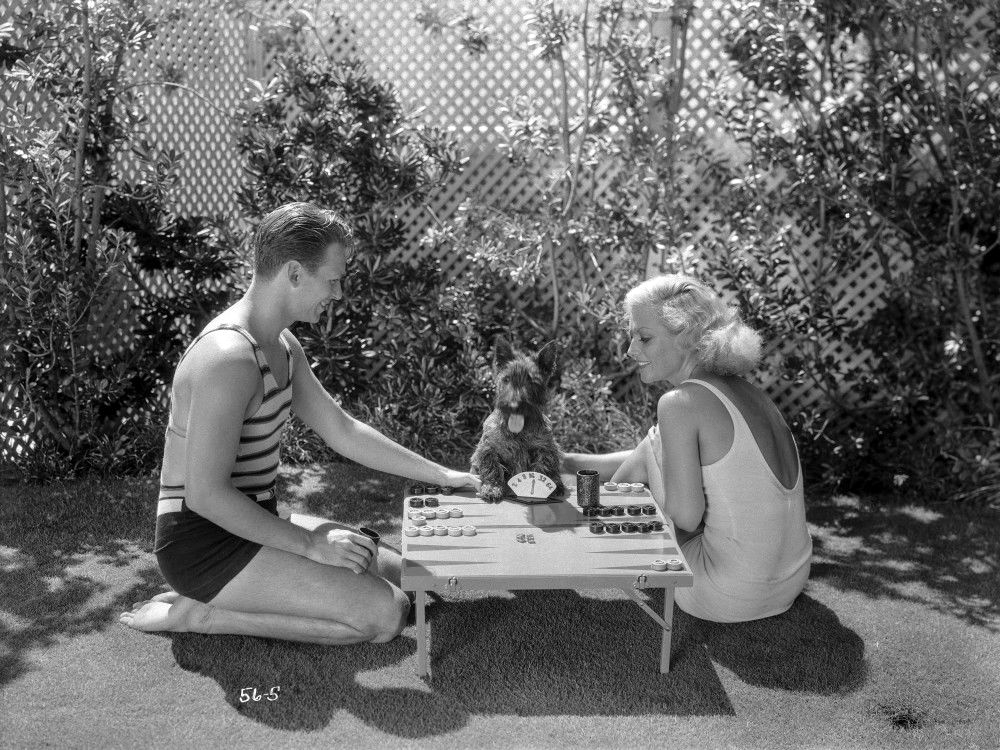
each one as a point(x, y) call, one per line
point(257, 457)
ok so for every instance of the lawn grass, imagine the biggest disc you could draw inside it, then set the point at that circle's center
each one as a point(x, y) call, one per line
point(895, 643)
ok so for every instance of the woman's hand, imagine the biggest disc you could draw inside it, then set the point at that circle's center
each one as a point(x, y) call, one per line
point(459, 479)
point(342, 548)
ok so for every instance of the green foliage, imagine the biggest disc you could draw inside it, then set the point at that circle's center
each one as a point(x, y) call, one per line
point(324, 130)
point(883, 149)
point(587, 418)
point(576, 248)
point(88, 337)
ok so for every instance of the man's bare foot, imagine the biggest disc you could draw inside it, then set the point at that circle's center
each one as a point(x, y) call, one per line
point(167, 596)
point(176, 614)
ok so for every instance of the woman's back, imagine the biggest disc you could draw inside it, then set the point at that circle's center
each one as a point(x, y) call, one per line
point(755, 550)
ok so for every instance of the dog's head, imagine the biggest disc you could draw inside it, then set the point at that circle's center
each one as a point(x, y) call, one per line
point(524, 381)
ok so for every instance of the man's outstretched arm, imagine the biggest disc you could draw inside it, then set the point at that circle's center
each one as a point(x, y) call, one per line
point(354, 439)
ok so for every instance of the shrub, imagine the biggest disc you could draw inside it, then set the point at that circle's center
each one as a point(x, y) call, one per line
point(88, 338)
point(883, 150)
point(324, 130)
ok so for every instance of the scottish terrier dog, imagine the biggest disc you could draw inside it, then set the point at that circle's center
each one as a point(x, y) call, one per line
point(516, 435)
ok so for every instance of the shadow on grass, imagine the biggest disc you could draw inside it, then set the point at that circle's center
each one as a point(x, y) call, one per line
point(943, 557)
point(555, 653)
point(805, 649)
point(536, 654)
point(72, 556)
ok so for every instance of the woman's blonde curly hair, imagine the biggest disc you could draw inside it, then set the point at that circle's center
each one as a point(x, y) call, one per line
point(706, 326)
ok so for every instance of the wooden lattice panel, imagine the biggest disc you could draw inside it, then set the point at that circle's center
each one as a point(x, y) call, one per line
point(212, 52)
point(204, 50)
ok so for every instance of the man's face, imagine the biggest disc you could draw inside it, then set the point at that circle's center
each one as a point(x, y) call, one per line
point(321, 289)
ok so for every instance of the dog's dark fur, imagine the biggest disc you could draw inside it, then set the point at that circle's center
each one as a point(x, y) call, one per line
point(524, 383)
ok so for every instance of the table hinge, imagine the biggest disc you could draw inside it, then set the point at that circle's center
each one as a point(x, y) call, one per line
point(453, 583)
point(640, 582)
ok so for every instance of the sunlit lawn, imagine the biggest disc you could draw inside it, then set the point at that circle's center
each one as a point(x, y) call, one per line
point(894, 643)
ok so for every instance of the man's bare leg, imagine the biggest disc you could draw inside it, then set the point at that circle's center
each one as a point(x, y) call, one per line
point(389, 562)
point(298, 599)
point(184, 615)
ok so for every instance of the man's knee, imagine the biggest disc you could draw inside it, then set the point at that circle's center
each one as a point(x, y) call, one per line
point(390, 617)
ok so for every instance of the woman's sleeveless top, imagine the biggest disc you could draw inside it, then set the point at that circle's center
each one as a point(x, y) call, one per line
point(257, 457)
point(754, 555)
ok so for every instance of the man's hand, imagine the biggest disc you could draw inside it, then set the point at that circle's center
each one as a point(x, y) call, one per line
point(459, 479)
point(342, 548)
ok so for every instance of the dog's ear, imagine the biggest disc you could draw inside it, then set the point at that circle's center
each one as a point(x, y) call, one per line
point(548, 360)
point(502, 352)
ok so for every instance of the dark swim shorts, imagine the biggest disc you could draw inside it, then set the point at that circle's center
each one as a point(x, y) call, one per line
point(197, 557)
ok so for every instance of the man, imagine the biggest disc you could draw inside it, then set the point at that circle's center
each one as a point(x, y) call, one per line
point(234, 565)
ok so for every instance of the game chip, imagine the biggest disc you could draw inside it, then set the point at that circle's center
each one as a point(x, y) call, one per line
point(624, 487)
point(638, 487)
point(416, 502)
point(656, 525)
point(606, 511)
point(440, 530)
point(417, 489)
point(628, 527)
point(455, 512)
point(413, 514)
point(658, 565)
point(597, 527)
point(634, 510)
point(426, 531)
point(613, 528)
point(674, 564)
point(649, 510)
point(454, 531)
point(468, 530)
point(447, 490)
point(419, 520)
point(430, 502)
point(521, 537)
point(618, 510)
point(610, 487)
point(643, 528)
point(411, 531)
point(443, 513)
point(431, 489)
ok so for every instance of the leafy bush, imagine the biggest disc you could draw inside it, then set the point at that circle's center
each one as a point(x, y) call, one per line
point(587, 418)
point(324, 130)
point(884, 150)
point(88, 338)
point(564, 261)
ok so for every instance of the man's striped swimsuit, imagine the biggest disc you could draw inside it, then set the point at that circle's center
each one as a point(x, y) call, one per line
point(197, 557)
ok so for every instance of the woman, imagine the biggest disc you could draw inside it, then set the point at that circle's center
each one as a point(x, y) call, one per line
point(721, 463)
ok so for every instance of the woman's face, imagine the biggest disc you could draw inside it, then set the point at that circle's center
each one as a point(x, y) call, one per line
point(655, 348)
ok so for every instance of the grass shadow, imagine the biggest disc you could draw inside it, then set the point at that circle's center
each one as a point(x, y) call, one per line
point(72, 555)
point(945, 557)
point(316, 683)
point(535, 654)
point(805, 649)
point(545, 653)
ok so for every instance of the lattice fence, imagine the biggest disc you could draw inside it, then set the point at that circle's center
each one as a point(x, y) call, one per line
point(210, 53)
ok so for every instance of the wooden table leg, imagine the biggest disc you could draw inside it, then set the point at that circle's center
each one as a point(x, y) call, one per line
point(423, 664)
point(668, 618)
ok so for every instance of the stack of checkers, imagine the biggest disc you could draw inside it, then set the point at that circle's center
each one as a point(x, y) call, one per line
point(430, 489)
point(671, 564)
point(423, 510)
point(628, 527)
point(625, 488)
point(606, 511)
